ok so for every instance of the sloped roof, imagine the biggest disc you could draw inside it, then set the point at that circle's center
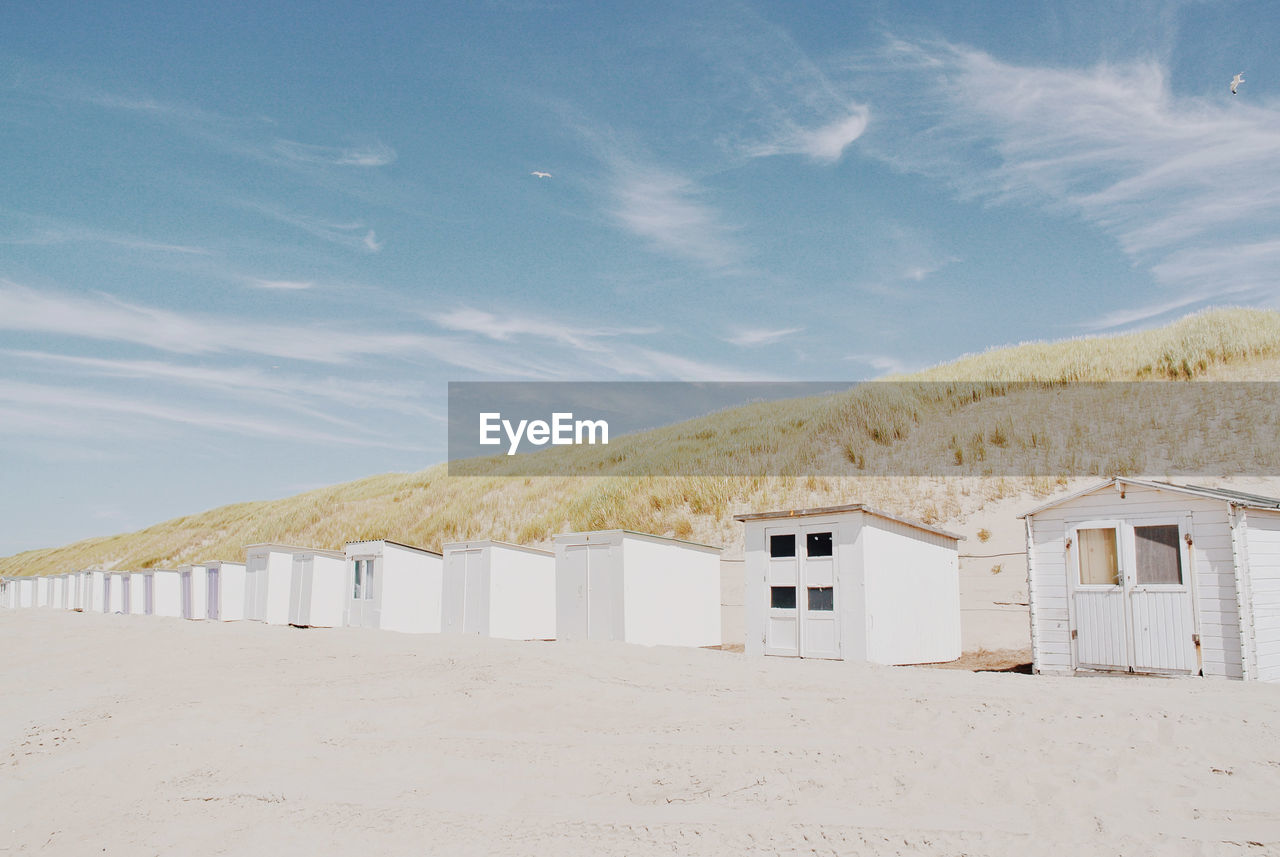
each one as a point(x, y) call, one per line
point(1235, 498)
point(853, 507)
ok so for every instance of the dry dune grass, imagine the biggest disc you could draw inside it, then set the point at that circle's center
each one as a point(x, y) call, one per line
point(997, 420)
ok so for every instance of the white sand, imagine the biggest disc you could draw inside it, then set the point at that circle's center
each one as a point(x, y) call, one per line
point(135, 735)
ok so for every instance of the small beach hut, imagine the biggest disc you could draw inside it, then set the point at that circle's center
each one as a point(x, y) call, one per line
point(27, 591)
point(68, 591)
point(637, 588)
point(141, 593)
point(43, 594)
point(850, 583)
point(318, 587)
point(118, 592)
point(495, 589)
point(166, 592)
point(269, 582)
point(195, 592)
point(1142, 576)
point(394, 587)
point(6, 593)
point(96, 596)
point(225, 598)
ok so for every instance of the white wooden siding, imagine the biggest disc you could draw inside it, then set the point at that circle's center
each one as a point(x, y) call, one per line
point(1262, 537)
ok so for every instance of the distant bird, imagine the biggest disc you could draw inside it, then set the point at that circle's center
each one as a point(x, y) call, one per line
point(542, 175)
point(1236, 81)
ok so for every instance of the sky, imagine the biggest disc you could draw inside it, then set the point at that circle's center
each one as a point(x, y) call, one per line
point(244, 247)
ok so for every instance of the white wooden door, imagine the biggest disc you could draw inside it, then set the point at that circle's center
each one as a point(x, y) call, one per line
point(364, 591)
point(1131, 600)
point(782, 582)
point(1161, 613)
point(454, 595)
point(186, 594)
point(213, 602)
point(299, 614)
point(126, 595)
point(475, 594)
point(571, 594)
point(819, 625)
point(149, 594)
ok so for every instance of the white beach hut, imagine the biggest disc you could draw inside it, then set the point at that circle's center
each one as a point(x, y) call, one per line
point(142, 593)
point(43, 593)
point(6, 593)
point(496, 589)
point(118, 592)
point(637, 588)
point(225, 596)
point(195, 592)
point(68, 591)
point(1151, 577)
point(318, 588)
point(27, 587)
point(850, 583)
point(394, 587)
point(96, 594)
point(269, 581)
point(166, 592)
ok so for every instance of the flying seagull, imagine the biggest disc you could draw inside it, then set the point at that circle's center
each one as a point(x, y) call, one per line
point(1236, 81)
point(542, 175)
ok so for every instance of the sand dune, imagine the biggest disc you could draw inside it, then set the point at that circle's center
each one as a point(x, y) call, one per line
point(140, 735)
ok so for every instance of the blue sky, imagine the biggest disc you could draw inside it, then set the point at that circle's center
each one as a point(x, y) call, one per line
point(243, 250)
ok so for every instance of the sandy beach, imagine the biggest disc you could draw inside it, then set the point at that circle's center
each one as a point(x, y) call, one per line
point(139, 735)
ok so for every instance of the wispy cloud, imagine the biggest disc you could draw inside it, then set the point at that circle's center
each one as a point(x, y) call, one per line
point(280, 285)
point(508, 328)
point(37, 230)
point(1186, 185)
point(354, 234)
point(885, 364)
point(371, 155)
point(749, 338)
point(670, 213)
point(825, 144)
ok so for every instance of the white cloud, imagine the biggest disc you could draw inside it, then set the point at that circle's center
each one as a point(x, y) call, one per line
point(280, 285)
point(371, 155)
point(748, 338)
point(667, 211)
point(343, 234)
point(1186, 185)
point(825, 144)
point(883, 363)
point(507, 328)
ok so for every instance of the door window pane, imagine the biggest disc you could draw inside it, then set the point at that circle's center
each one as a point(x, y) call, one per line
point(1099, 563)
point(359, 566)
point(1158, 558)
point(818, 544)
point(368, 580)
point(822, 598)
point(782, 546)
point(782, 597)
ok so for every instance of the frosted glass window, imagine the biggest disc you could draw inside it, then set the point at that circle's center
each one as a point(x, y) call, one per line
point(1159, 559)
point(1099, 560)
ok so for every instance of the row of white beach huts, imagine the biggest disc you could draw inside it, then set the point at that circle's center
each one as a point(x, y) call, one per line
point(1126, 576)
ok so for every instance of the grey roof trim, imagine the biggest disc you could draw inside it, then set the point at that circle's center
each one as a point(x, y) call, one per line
point(638, 534)
point(852, 507)
point(395, 544)
point(496, 543)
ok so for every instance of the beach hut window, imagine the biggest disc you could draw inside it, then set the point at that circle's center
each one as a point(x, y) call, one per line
point(1159, 558)
point(1099, 559)
point(822, 598)
point(781, 547)
point(818, 544)
point(782, 597)
point(364, 580)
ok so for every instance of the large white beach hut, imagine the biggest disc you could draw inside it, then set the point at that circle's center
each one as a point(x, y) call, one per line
point(225, 596)
point(318, 588)
point(269, 582)
point(637, 588)
point(1150, 577)
point(850, 583)
point(496, 589)
point(394, 587)
point(195, 592)
point(166, 592)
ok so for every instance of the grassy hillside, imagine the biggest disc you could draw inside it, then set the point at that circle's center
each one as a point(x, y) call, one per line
point(976, 415)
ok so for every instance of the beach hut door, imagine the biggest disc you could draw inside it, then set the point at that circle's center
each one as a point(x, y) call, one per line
point(591, 585)
point(363, 612)
point(186, 594)
point(149, 594)
point(126, 595)
point(214, 591)
point(801, 619)
point(475, 601)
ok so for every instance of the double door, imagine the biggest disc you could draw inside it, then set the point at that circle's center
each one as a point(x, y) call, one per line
point(801, 612)
point(1132, 600)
